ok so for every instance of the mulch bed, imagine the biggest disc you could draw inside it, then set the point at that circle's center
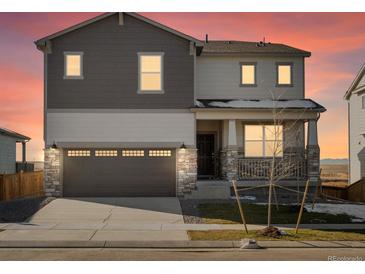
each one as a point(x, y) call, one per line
point(20, 210)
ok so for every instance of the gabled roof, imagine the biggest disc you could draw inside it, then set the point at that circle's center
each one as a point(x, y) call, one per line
point(42, 41)
point(239, 47)
point(354, 85)
point(14, 134)
point(299, 104)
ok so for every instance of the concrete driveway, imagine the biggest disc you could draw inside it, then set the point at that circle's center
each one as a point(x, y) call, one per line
point(111, 210)
point(104, 219)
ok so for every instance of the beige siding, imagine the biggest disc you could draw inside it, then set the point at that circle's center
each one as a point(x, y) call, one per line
point(219, 78)
point(121, 127)
point(356, 139)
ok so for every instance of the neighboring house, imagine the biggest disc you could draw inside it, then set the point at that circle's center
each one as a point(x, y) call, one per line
point(134, 108)
point(8, 140)
point(355, 97)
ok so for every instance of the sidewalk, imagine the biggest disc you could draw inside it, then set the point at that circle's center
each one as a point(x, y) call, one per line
point(150, 226)
point(146, 235)
point(176, 244)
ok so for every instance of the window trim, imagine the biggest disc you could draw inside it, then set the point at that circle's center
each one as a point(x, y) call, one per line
point(255, 72)
point(263, 141)
point(291, 64)
point(363, 102)
point(139, 90)
point(81, 54)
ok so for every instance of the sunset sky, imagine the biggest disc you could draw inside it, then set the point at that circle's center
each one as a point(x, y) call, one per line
point(336, 40)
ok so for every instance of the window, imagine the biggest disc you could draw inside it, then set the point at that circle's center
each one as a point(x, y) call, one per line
point(73, 65)
point(133, 153)
point(106, 153)
point(263, 141)
point(78, 153)
point(248, 74)
point(284, 74)
point(159, 153)
point(363, 102)
point(150, 79)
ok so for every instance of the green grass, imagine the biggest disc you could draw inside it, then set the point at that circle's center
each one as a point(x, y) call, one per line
point(228, 213)
point(303, 235)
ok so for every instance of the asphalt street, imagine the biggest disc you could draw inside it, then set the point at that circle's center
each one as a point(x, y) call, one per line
point(118, 254)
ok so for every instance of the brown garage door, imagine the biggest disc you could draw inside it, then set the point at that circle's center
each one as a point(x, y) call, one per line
point(119, 172)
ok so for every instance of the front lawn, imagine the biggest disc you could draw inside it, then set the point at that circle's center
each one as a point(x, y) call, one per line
point(303, 235)
point(227, 213)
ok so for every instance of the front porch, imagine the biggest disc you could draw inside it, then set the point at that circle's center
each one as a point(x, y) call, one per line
point(224, 153)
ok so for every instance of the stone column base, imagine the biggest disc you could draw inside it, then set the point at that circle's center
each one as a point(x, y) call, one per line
point(52, 173)
point(313, 153)
point(186, 170)
point(229, 168)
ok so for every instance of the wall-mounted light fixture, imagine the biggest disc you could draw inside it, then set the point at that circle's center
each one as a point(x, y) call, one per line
point(183, 146)
point(54, 146)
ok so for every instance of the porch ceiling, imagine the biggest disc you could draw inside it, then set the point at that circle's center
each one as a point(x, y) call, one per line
point(297, 104)
point(253, 115)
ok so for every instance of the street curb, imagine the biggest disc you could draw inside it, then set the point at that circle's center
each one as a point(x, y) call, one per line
point(177, 244)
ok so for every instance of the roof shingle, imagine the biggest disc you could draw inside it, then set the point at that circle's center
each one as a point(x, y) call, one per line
point(239, 47)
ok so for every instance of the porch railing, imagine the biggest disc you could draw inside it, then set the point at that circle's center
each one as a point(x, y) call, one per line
point(260, 169)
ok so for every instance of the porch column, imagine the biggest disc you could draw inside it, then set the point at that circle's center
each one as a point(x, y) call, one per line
point(24, 151)
point(232, 133)
point(313, 153)
point(229, 154)
point(312, 133)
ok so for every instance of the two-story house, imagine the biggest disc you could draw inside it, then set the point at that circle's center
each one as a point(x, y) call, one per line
point(135, 108)
point(355, 97)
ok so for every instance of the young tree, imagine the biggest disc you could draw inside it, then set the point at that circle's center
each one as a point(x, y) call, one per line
point(284, 161)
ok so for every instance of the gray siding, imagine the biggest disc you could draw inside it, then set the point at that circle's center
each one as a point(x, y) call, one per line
point(218, 77)
point(356, 136)
point(7, 154)
point(110, 67)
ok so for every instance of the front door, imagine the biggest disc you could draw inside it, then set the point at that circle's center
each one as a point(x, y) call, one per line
point(205, 144)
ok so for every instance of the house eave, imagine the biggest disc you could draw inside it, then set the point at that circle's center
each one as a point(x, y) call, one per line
point(293, 110)
point(40, 43)
point(352, 89)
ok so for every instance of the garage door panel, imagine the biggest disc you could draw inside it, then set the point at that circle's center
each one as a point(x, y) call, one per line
point(119, 176)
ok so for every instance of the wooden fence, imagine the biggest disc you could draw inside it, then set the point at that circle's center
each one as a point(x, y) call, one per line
point(20, 185)
point(354, 192)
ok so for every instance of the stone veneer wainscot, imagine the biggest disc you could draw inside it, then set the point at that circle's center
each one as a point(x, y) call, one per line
point(186, 170)
point(52, 172)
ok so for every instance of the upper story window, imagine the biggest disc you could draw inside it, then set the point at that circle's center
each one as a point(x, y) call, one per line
point(363, 102)
point(73, 65)
point(263, 140)
point(248, 74)
point(150, 72)
point(284, 73)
